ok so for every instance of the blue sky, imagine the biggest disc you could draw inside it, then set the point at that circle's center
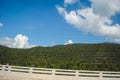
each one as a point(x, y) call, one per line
point(40, 22)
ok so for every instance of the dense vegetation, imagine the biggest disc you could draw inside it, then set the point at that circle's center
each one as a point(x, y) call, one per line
point(104, 56)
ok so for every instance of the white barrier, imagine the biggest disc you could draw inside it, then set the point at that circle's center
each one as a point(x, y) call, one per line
point(29, 73)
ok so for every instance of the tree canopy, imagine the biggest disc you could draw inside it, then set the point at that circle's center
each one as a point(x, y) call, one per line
point(103, 56)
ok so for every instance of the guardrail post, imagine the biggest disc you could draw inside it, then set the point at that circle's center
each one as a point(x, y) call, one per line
point(53, 72)
point(9, 68)
point(77, 73)
point(101, 74)
point(3, 68)
point(30, 70)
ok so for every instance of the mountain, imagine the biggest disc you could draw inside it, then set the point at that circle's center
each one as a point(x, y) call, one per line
point(102, 56)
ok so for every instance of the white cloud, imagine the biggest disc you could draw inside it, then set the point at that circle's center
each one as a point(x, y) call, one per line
point(117, 40)
point(1, 24)
point(89, 21)
point(66, 2)
point(69, 42)
point(105, 7)
point(60, 10)
point(20, 41)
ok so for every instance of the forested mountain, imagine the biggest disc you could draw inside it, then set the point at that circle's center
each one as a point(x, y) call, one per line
point(103, 56)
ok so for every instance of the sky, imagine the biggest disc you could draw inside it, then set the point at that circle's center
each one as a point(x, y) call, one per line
point(29, 23)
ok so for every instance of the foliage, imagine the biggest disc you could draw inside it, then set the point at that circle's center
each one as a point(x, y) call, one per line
point(104, 56)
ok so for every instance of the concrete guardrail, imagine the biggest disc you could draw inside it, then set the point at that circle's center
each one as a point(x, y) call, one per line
point(29, 73)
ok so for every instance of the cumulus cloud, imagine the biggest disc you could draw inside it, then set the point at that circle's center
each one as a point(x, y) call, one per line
point(1, 24)
point(61, 10)
point(20, 41)
point(66, 2)
point(69, 42)
point(105, 8)
point(89, 20)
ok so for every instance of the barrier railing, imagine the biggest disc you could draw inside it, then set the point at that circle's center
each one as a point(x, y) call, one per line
point(59, 72)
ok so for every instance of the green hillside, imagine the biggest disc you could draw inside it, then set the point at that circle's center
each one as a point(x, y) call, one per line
point(104, 56)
